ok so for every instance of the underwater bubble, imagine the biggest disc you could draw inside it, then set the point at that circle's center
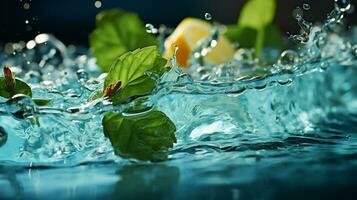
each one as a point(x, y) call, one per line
point(3, 136)
point(306, 6)
point(288, 57)
point(208, 16)
point(151, 29)
point(20, 106)
point(342, 5)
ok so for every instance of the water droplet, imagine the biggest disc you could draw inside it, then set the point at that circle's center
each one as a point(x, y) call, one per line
point(26, 6)
point(306, 6)
point(342, 5)
point(208, 16)
point(354, 50)
point(288, 57)
point(324, 65)
point(82, 75)
point(244, 54)
point(20, 106)
point(305, 29)
point(204, 52)
point(298, 12)
point(213, 43)
point(98, 4)
point(30, 44)
point(321, 41)
point(3, 136)
point(151, 29)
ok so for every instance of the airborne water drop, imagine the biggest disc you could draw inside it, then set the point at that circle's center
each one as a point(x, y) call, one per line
point(342, 5)
point(208, 16)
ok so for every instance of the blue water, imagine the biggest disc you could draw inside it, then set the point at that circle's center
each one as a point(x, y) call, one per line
point(245, 130)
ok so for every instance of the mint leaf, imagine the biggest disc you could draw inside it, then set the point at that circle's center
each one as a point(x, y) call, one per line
point(257, 14)
point(10, 86)
point(117, 32)
point(130, 70)
point(146, 137)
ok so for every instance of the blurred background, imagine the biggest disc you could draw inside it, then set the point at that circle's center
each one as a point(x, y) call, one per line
point(72, 20)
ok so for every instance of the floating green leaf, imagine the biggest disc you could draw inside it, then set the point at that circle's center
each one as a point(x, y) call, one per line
point(146, 137)
point(130, 69)
point(116, 33)
point(20, 87)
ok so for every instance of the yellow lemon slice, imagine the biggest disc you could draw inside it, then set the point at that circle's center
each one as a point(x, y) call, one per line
point(188, 34)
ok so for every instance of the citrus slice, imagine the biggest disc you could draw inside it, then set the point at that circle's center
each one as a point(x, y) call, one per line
point(188, 34)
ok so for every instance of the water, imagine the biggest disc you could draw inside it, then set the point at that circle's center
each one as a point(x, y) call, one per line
point(281, 129)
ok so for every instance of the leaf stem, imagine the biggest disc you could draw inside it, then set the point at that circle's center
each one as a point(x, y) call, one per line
point(259, 42)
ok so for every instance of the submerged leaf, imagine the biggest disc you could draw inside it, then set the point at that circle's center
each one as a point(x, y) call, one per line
point(146, 137)
point(130, 69)
point(117, 32)
point(42, 102)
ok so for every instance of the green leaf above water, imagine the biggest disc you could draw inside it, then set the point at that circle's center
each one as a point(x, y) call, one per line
point(130, 69)
point(116, 33)
point(20, 88)
point(257, 14)
point(146, 137)
point(254, 28)
point(246, 36)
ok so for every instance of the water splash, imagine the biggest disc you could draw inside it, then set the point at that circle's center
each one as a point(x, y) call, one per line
point(219, 107)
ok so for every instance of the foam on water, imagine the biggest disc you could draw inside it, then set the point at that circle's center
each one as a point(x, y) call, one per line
point(239, 106)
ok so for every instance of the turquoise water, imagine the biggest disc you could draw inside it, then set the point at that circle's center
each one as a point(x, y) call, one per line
point(284, 131)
